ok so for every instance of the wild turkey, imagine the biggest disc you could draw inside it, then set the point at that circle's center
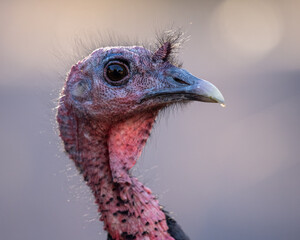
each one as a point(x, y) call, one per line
point(106, 111)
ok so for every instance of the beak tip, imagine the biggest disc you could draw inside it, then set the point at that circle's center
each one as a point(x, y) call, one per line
point(209, 92)
point(217, 97)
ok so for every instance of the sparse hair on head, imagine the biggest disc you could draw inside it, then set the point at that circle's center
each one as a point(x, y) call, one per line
point(173, 41)
point(87, 43)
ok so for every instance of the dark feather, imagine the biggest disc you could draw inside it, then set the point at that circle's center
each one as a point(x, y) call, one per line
point(174, 229)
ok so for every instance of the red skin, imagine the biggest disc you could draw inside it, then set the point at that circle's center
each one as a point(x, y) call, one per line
point(125, 204)
point(105, 146)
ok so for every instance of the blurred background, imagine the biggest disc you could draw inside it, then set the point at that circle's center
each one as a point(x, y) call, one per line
point(225, 173)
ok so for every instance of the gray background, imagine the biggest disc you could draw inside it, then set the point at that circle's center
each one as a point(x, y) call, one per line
point(225, 173)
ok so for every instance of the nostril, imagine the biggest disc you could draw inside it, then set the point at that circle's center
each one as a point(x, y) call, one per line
point(180, 81)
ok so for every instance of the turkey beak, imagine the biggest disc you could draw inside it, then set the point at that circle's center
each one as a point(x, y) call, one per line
point(185, 86)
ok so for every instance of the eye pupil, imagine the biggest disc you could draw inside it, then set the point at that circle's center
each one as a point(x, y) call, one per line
point(116, 72)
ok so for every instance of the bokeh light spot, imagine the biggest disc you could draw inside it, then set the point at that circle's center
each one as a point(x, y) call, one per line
point(250, 27)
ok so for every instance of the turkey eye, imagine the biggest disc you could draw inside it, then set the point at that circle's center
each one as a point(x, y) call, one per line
point(116, 72)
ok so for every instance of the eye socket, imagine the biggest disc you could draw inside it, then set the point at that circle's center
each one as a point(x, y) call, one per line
point(116, 72)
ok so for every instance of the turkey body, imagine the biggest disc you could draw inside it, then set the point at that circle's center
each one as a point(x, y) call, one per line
point(174, 229)
point(106, 111)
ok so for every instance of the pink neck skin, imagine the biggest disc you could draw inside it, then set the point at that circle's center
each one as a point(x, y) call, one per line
point(104, 154)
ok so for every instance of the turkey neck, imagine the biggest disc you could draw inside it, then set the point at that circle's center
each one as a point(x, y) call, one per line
point(104, 154)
